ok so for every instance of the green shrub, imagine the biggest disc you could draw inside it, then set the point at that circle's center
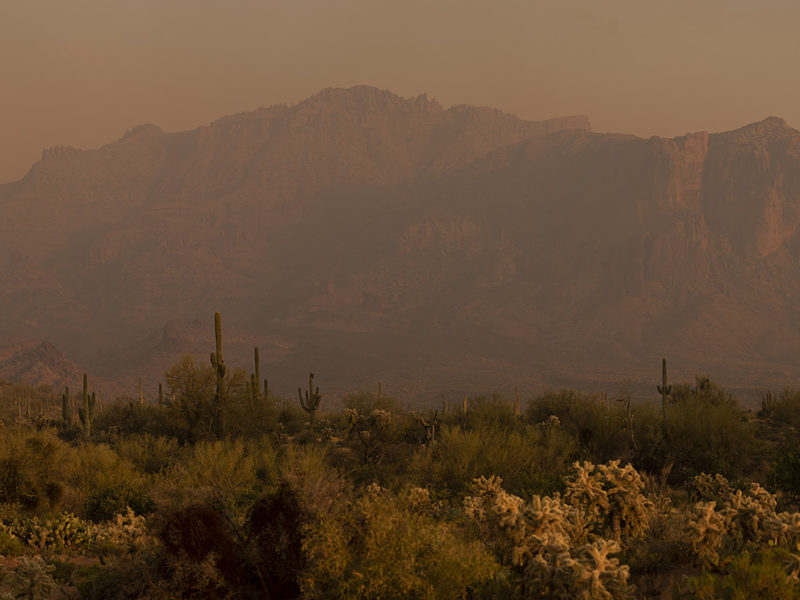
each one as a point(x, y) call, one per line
point(383, 548)
point(758, 574)
point(598, 426)
point(230, 474)
point(148, 453)
point(701, 436)
point(532, 460)
point(106, 503)
point(32, 469)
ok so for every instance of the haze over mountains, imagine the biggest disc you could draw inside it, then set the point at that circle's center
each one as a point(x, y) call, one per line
point(370, 237)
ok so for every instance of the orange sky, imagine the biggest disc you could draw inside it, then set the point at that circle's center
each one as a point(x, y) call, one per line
point(81, 72)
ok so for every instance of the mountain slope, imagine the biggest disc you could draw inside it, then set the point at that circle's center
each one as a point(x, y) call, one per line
point(372, 237)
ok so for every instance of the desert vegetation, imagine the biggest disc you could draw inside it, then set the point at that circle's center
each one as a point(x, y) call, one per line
point(220, 489)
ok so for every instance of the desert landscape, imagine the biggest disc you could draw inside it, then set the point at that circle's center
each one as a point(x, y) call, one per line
point(426, 300)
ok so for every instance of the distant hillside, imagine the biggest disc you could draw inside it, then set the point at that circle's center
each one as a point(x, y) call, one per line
point(42, 364)
point(371, 237)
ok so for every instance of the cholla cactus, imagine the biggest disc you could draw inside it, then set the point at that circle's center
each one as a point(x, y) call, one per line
point(784, 529)
point(127, 533)
point(705, 531)
point(32, 579)
point(743, 517)
point(747, 514)
point(374, 490)
point(550, 423)
point(419, 497)
point(705, 487)
point(546, 542)
point(792, 566)
point(369, 429)
point(612, 496)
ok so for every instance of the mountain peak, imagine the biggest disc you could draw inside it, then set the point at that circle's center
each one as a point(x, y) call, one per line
point(144, 130)
point(769, 126)
point(369, 99)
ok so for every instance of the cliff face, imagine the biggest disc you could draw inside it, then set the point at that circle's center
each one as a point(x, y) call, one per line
point(370, 236)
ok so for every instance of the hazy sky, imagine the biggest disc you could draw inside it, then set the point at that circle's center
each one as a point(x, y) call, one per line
point(81, 72)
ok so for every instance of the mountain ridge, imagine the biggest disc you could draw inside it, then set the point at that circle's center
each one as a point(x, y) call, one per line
point(476, 250)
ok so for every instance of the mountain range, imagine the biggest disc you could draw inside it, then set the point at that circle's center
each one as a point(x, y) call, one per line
point(369, 237)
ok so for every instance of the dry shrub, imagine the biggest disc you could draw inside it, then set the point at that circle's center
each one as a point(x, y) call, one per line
point(199, 535)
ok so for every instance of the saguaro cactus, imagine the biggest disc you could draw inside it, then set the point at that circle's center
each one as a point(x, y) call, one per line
point(86, 412)
point(255, 379)
point(256, 373)
point(66, 409)
point(664, 389)
point(312, 398)
point(219, 370)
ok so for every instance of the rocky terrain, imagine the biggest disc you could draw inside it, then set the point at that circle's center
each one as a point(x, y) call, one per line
point(371, 237)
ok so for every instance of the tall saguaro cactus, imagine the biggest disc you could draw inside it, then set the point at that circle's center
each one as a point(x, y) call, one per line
point(66, 408)
point(310, 403)
point(86, 412)
point(257, 371)
point(255, 378)
point(219, 370)
point(664, 389)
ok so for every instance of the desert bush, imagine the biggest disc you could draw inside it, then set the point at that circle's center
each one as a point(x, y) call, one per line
point(108, 502)
point(705, 390)
point(532, 460)
point(107, 483)
point(492, 413)
point(229, 474)
point(291, 418)
point(366, 402)
point(197, 539)
point(318, 487)
point(126, 579)
point(126, 416)
point(382, 548)
point(148, 453)
point(275, 530)
point(598, 426)
point(701, 436)
point(33, 468)
point(757, 574)
point(782, 409)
